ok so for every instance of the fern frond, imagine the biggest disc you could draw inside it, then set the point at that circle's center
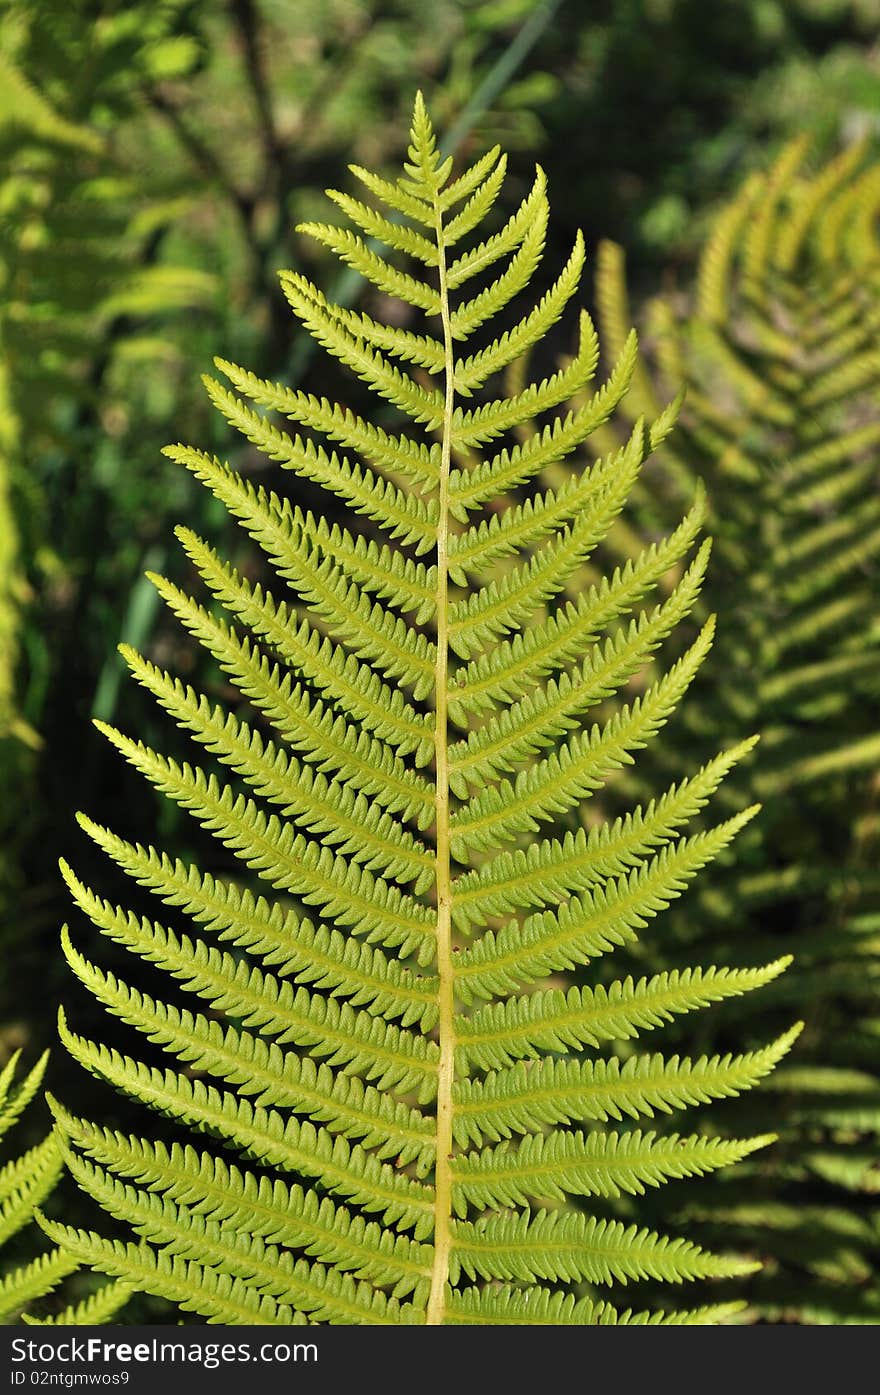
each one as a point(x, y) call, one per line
point(24, 1185)
point(580, 765)
point(275, 933)
point(26, 1182)
point(421, 349)
point(478, 203)
point(194, 1286)
point(95, 1310)
point(248, 1204)
point(289, 861)
point(397, 197)
point(309, 799)
point(416, 459)
point(264, 1134)
point(480, 424)
point(378, 1092)
point(13, 1102)
point(515, 663)
point(302, 547)
point(473, 371)
point(421, 404)
point(777, 345)
point(323, 1292)
point(314, 728)
point(348, 682)
point(465, 184)
point(393, 234)
point(283, 1078)
point(498, 607)
point(470, 489)
point(35, 1280)
point(535, 721)
point(604, 913)
point(523, 525)
point(352, 249)
point(523, 235)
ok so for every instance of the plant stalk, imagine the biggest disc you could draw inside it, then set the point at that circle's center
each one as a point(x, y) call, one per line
point(443, 878)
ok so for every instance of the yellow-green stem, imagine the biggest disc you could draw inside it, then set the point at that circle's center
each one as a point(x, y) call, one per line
point(446, 1019)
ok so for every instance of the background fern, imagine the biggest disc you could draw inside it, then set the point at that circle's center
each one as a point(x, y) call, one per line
point(778, 347)
point(82, 302)
point(414, 725)
point(26, 1182)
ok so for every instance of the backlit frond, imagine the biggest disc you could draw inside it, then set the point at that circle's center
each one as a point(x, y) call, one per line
point(374, 1045)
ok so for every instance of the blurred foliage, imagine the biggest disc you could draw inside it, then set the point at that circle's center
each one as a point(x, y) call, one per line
point(777, 345)
point(664, 102)
point(80, 281)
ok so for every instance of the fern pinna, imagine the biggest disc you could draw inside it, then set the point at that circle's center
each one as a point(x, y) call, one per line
point(426, 1124)
point(29, 1271)
point(25, 1182)
point(778, 347)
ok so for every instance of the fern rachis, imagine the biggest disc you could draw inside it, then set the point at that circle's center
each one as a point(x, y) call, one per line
point(424, 1103)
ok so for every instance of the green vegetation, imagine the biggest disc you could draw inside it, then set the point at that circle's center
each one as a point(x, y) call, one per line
point(781, 423)
point(155, 161)
point(26, 1181)
point(405, 830)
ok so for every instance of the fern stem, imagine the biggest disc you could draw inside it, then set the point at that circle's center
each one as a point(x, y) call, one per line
point(445, 971)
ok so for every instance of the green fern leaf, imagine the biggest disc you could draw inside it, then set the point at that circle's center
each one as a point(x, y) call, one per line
point(568, 1249)
point(541, 1307)
point(386, 1103)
